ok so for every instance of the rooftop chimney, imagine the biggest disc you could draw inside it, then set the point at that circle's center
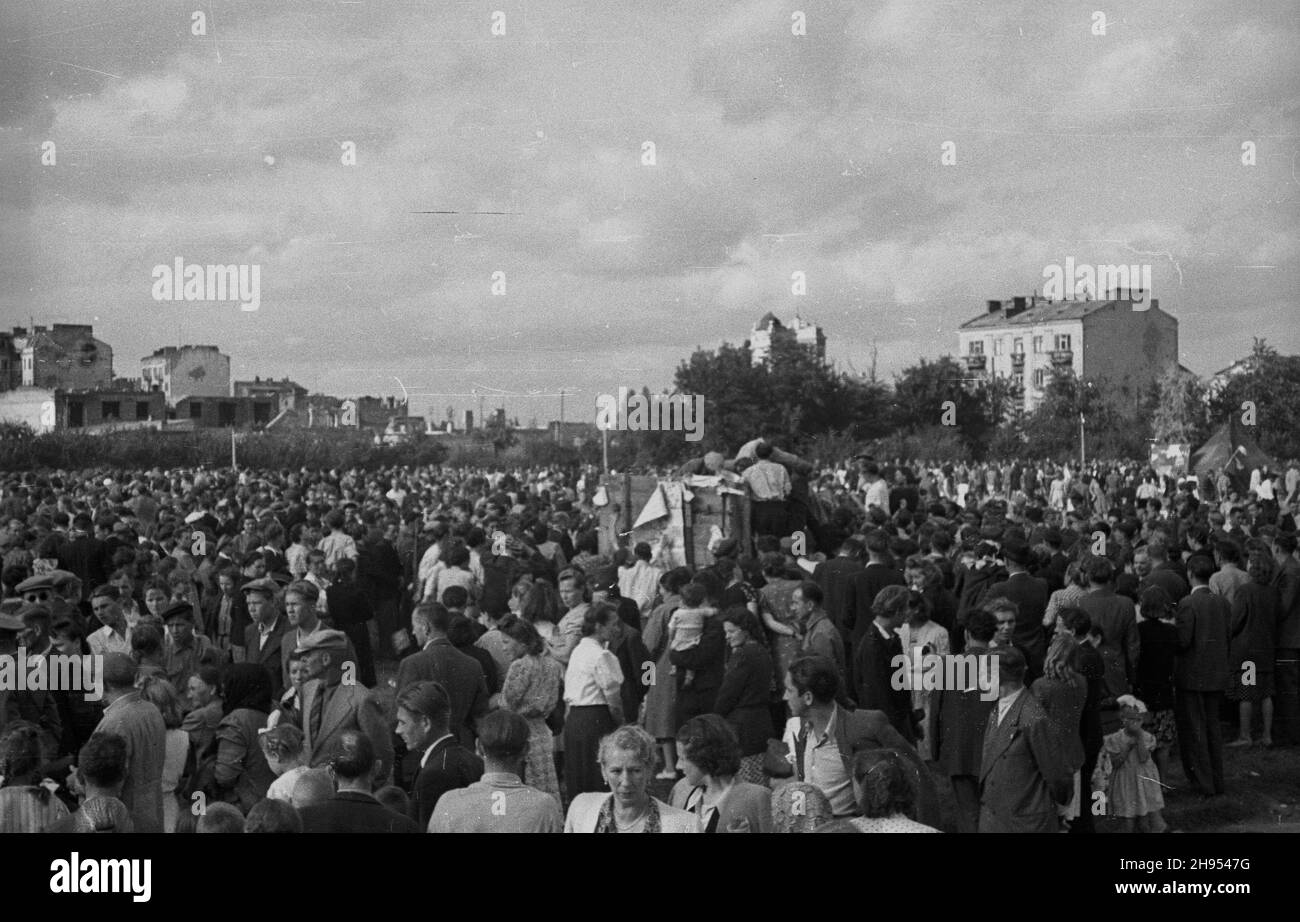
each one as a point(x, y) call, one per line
point(994, 306)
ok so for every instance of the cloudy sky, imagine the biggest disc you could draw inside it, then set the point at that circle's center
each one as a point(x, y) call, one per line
point(774, 153)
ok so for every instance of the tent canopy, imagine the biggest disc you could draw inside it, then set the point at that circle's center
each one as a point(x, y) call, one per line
point(1231, 449)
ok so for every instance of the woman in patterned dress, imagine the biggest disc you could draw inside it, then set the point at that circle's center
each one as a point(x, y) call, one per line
point(531, 689)
point(778, 617)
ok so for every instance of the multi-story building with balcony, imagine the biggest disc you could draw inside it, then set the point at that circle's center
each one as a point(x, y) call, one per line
point(1124, 340)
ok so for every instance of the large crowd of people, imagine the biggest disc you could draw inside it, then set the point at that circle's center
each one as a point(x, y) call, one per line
point(412, 650)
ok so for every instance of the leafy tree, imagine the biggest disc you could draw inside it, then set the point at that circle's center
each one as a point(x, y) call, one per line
point(1179, 408)
point(1271, 384)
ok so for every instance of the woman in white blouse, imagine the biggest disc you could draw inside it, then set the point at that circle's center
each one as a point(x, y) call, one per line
point(592, 685)
point(627, 762)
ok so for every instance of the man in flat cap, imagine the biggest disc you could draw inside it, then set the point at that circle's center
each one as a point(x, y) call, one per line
point(333, 702)
point(141, 725)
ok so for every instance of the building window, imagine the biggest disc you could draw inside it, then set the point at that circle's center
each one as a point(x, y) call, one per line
point(1038, 345)
point(997, 346)
point(196, 410)
point(1040, 375)
point(142, 409)
point(110, 409)
point(1018, 379)
point(976, 347)
point(1018, 346)
point(1062, 342)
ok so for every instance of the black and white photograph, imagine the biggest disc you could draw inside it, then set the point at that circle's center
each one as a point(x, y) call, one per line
point(738, 417)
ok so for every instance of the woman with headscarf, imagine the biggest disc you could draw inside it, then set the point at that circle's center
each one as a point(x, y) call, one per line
point(242, 775)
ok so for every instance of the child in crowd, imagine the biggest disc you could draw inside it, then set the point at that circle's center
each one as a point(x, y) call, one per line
point(686, 626)
point(1133, 793)
point(286, 755)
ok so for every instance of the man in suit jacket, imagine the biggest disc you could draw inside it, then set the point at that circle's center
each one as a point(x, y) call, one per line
point(1054, 570)
point(958, 718)
point(820, 635)
point(1201, 677)
point(1030, 595)
point(354, 808)
point(441, 762)
point(1154, 558)
point(819, 724)
point(1117, 618)
point(302, 621)
point(1022, 773)
point(264, 638)
point(331, 707)
point(878, 657)
point(876, 575)
point(834, 577)
point(439, 661)
point(1287, 671)
point(141, 725)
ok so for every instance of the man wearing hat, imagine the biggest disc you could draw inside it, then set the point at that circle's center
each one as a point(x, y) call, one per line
point(30, 628)
point(333, 702)
point(141, 725)
point(185, 648)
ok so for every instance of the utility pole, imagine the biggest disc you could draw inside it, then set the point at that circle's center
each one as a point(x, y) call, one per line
point(560, 430)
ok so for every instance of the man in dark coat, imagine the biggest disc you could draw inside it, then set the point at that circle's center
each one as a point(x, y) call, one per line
point(878, 657)
point(1030, 595)
point(1023, 776)
point(1201, 677)
point(354, 808)
point(957, 721)
point(439, 661)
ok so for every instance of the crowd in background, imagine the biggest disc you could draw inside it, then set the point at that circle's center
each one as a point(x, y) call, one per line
point(460, 650)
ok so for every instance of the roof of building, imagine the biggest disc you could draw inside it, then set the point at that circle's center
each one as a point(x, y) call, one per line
point(767, 320)
point(172, 350)
point(1038, 311)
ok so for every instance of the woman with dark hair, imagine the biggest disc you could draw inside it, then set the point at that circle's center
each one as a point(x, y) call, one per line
point(1252, 636)
point(1157, 654)
point(541, 608)
point(242, 774)
point(593, 691)
point(709, 758)
point(735, 590)
point(25, 806)
point(1062, 692)
point(886, 793)
point(743, 700)
point(775, 600)
point(532, 689)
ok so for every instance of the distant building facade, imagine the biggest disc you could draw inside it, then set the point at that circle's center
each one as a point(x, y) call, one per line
point(769, 330)
point(287, 394)
point(65, 355)
point(1127, 339)
point(187, 371)
point(222, 412)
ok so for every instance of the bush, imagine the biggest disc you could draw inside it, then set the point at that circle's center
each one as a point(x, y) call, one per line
point(141, 448)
